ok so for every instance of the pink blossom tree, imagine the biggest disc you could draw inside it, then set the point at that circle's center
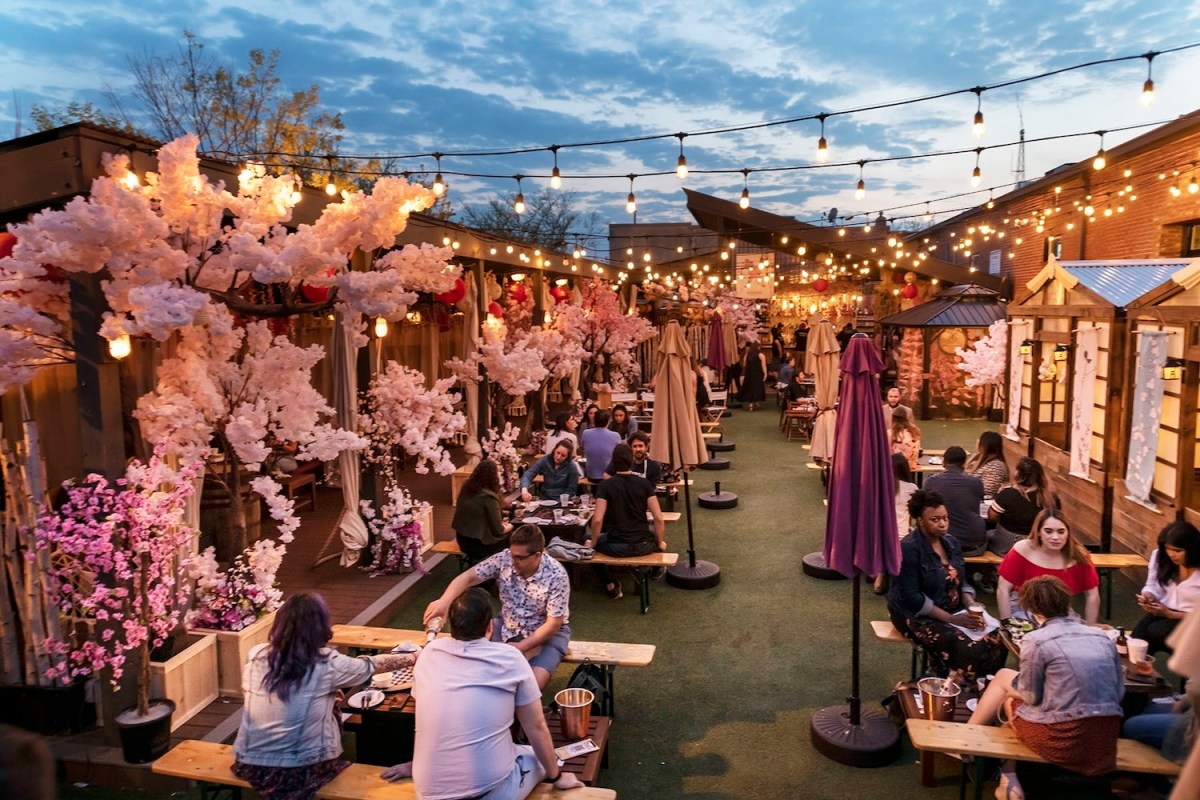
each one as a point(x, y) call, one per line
point(399, 415)
point(608, 337)
point(986, 363)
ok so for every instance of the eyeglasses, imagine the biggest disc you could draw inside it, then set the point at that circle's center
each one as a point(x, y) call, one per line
point(525, 557)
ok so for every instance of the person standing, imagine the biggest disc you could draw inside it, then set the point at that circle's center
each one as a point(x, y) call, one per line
point(964, 495)
point(468, 688)
point(289, 741)
point(534, 595)
point(619, 527)
point(598, 443)
point(754, 376)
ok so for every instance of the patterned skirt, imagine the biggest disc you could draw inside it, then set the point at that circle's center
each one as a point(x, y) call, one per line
point(290, 783)
point(1087, 746)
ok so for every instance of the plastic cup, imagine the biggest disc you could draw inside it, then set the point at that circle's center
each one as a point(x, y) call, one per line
point(1145, 666)
point(564, 500)
point(1138, 649)
point(558, 516)
point(574, 710)
point(938, 698)
point(976, 610)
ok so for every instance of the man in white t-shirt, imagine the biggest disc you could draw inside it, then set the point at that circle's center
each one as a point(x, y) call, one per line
point(467, 689)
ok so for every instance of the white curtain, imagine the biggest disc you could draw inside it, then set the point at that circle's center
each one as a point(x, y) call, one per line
point(1018, 332)
point(1147, 413)
point(469, 305)
point(351, 526)
point(1087, 347)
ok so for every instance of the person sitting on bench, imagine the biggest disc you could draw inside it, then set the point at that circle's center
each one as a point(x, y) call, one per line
point(469, 688)
point(559, 474)
point(619, 526)
point(1065, 703)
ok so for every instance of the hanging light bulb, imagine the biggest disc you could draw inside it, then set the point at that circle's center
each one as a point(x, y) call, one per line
point(631, 201)
point(745, 201)
point(860, 191)
point(381, 327)
point(1193, 187)
point(519, 203)
point(681, 168)
point(555, 175)
point(1148, 86)
point(976, 176)
point(330, 186)
point(1100, 161)
point(822, 145)
point(439, 185)
point(928, 216)
point(977, 126)
point(120, 347)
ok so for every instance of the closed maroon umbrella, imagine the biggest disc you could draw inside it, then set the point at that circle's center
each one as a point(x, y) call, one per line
point(717, 357)
point(860, 538)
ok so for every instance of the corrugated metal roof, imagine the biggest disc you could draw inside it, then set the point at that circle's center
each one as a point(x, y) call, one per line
point(948, 311)
point(1120, 281)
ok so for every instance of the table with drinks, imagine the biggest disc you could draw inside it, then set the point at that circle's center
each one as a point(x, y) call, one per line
point(566, 517)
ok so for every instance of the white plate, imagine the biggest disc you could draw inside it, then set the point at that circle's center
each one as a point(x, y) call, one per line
point(533, 521)
point(547, 503)
point(368, 698)
point(406, 647)
point(935, 461)
point(974, 701)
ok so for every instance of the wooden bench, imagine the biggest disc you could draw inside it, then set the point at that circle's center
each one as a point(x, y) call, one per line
point(300, 480)
point(211, 764)
point(648, 561)
point(985, 741)
point(607, 655)
point(1105, 564)
point(885, 631)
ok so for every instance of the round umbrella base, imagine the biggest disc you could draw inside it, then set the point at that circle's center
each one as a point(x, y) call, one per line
point(814, 566)
point(875, 742)
point(721, 447)
point(715, 463)
point(733, 403)
point(704, 575)
point(721, 501)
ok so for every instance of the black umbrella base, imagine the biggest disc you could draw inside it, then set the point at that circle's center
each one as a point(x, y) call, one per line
point(814, 566)
point(704, 575)
point(733, 403)
point(721, 447)
point(875, 742)
point(715, 463)
point(719, 501)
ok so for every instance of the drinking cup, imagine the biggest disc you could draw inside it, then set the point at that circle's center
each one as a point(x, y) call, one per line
point(1138, 648)
point(564, 500)
point(1145, 666)
point(976, 610)
point(558, 516)
point(575, 709)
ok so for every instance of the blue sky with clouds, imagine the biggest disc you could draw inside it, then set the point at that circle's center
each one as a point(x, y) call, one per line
point(494, 74)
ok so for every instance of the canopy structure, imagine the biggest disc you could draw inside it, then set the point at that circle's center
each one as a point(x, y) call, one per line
point(967, 306)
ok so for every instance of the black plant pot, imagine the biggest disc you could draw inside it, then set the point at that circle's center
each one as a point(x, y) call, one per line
point(47, 710)
point(144, 740)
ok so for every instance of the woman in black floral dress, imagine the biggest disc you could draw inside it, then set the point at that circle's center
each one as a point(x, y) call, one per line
point(929, 598)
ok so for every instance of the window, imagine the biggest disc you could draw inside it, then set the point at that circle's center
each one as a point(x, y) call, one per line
point(1191, 239)
point(994, 262)
point(1052, 247)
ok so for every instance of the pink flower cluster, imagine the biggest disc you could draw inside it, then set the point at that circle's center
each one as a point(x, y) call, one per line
point(501, 446)
point(235, 598)
point(116, 551)
point(397, 534)
point(398, 413)
point(987, 362)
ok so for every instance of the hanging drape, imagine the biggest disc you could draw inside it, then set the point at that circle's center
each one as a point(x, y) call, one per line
point(469, 305)
point(1087, 347)
point(1147, 413)
point(344, 364)
point(1018, 332)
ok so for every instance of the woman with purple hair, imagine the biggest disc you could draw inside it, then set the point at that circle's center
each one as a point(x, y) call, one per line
point(290, 740)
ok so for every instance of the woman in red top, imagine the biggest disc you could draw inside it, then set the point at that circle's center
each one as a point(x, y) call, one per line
point(1050, 549)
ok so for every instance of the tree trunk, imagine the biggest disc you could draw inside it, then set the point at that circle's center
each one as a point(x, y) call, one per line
point(143, 652)
point(230, 539)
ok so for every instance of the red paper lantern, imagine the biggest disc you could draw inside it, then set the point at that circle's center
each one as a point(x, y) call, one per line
point(820, 284)
point(452, 296)
point(7, 243)
point(317, 294)
point(909, 291)
point(561, 294)
point(495, 309)
point(517, 292)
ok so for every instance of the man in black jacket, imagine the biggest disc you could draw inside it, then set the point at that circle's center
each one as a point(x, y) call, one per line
point(963, 494)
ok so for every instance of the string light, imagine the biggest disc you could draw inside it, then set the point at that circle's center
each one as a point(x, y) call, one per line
point(381, 327)
point(330, 186)
point(1148, 86)
point(977, 126)
point(745, 201)
point(631, 201)
point(120, 347)
point(860, 191)
point(1099, 161)
point(976, 176)
point(681, 167)
point(822, 145)
point(439, 185)
point(555, 176)
point(519, 203)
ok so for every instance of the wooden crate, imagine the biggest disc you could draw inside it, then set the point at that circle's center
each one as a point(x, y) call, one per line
point(426, 521)
point(233, 649)
point(189, 677)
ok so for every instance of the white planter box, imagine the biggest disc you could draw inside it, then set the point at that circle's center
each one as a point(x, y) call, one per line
point(189, 677)
point(233, 648)
point(426, 521)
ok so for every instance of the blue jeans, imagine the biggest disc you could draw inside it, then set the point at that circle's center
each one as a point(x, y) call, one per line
point(526, 774)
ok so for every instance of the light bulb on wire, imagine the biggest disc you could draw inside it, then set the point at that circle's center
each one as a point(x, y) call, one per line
point(631, 201)
point(681, 167)
point(519, 203)
point(977, 128)
point(976, 176)
point(1148, 86)
point(745, 201)
point(860, 191)
point(439, 185)
point(822, 145)
point(1100, 161)
point(555, 175)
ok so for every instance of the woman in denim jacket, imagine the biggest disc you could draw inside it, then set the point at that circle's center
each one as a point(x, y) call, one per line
point(1065, 703)
point(928, 601)
point(290, 739)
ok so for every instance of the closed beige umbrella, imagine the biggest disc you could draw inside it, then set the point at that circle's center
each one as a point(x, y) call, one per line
point(678, 441)
point(824, 353)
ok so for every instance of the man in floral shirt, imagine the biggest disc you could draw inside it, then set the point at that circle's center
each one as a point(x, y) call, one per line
point(534, 597)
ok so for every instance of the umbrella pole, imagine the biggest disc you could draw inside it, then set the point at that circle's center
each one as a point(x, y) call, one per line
point(856, 614)
point(687, 506)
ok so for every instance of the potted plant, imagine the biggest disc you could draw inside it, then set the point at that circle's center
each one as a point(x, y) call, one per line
point(129, 538)
point(398, 532)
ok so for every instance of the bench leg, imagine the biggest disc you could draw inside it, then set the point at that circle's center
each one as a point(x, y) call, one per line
point(610, 705)
point(1106, 580)
point(213, 791)
point(643, 576)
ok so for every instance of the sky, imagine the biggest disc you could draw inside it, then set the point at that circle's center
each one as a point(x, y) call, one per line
point(413, 78)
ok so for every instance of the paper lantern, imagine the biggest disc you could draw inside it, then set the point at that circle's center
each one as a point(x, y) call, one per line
point(317, 294)
point(7, 243)
point(820, 284)
point(453, 295)
point(518, 292)
point(909, 291)
point(495, 309)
